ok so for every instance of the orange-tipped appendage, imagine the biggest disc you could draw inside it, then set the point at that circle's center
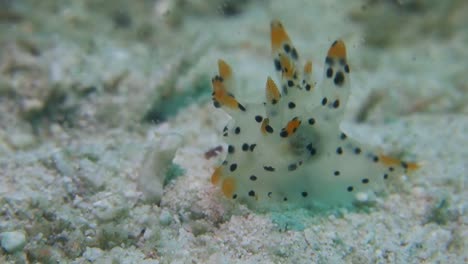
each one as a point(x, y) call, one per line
point(216, 176)
point(228, 187)
point(337, 50)
point(412, 166)
point(222, 96)
point(391, 161)
point(265, 123)
point(272, 92)
point(224, 70)
point(278, 35)
point(308, 68)
point(293, 125)
point(288, 67)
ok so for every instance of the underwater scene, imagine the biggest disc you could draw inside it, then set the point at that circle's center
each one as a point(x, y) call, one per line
point(233, 131)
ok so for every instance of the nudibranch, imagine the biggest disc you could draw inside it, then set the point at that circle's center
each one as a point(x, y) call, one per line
point(290, 149)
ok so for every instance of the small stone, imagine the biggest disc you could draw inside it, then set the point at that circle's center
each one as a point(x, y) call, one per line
point(62, 164)
point(110, 207)
point(92, 254)
point(165, 218)
point(362, 197)
point(13, 241)
point(32, 105)
point(21, 140)
point(154, 169)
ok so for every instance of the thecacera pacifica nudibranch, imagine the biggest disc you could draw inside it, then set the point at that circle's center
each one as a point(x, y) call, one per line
point(290, 149)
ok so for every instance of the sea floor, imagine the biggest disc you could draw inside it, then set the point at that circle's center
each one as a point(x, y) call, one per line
point(108, 136)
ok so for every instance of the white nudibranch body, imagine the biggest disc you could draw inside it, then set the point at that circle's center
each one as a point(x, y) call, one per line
point(290, 149)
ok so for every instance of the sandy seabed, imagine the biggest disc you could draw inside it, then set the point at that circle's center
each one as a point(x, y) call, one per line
point(102, 105)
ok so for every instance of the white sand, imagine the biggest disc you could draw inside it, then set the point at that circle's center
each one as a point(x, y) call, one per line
point(74, 191)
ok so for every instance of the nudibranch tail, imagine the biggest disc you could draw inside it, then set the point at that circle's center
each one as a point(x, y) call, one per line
point(290, 148)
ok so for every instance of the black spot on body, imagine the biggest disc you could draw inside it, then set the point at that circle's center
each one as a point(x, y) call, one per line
point(290, 83)
point(216, 104)
point(304, 194)
point(268, 168)
point(404, 165)
point(336, 103)
point(231, 149)
point(241, 107)
point(339, 79)
point(233, 167)
point(311, 149)
point(253, 178)
point(245, 147)
point(269, 129)
point(252, 147)
point(343, 136)
point(292, 167)
point(391, 169)
point(237, 130)
point(234, 196)
point(329, 72)
point(375, 159)
point(357, 151)
point(251, 193)
point(324, 101)
point(365, 180)
point(307, 87)
point(283, 133)
point(385, 176)
point(350, 188)
point(277, 65)
point(258, 118)
point(339, 150)
point(329, 61)
point(346, 68)
point(311, 121)
point(336, 173)
point(294, 54)
point(287, 48)
point(291, 105)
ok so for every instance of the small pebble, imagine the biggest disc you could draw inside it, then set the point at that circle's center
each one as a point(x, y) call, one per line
point(165, 218)
point(92, 254)
point(362, 197)
point(21, 140)
point(13, 241)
